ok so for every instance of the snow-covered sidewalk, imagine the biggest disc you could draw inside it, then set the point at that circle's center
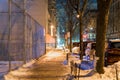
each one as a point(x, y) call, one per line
point(51, 67)
point(4, 67)
point(47, 67)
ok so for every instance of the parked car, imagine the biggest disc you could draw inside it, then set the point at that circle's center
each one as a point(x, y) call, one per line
point(76, 50)
point(113, 52)
point(76, 45)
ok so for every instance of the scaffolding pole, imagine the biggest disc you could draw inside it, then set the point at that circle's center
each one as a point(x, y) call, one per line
point(25, 25)
point(9, 35)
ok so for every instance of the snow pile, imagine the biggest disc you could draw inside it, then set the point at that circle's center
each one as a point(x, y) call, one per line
point(4, 67)
point(29, 63)
point(112, 72)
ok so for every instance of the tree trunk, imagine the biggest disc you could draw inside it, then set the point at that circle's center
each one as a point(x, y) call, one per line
point(81, 38)
point(70, 41)
point(102, 22)
point(100, 42)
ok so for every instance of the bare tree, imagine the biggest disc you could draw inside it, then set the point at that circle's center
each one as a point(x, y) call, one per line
point(102, 22)
point(80, 6)
point(69, 12)
point(71, 21)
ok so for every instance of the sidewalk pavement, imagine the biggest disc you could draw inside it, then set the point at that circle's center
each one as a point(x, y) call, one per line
point(48, 67)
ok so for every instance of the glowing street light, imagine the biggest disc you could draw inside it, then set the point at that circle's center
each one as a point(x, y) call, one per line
point(78, 16)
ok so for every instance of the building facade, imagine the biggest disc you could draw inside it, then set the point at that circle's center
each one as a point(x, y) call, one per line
point(51, 28)
point(114, 21)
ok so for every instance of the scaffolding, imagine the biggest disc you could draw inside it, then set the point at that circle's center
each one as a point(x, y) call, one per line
point(21, 36)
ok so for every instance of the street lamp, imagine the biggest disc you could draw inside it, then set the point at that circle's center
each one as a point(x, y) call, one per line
point(78, 16)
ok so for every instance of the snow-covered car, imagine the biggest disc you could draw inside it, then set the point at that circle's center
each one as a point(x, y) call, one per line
point(91, 44)
point(75, 50)
point(77, 44)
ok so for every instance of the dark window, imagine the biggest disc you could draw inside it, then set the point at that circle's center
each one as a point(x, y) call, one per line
point(115, 45)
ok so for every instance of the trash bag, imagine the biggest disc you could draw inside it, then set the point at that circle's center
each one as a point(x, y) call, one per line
point(65, 62)
point(86, 65)
point(86, 58)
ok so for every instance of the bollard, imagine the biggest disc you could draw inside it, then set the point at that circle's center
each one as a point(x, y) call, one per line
point(67, 56)
point(71, 65)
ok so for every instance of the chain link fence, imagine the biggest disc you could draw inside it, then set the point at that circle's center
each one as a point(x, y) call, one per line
point(21, 36)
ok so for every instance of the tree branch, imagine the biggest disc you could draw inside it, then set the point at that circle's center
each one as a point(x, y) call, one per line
point(84, 7)
point(75, 5)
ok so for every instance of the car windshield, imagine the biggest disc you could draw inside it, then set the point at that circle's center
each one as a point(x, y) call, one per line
point(115, 45)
